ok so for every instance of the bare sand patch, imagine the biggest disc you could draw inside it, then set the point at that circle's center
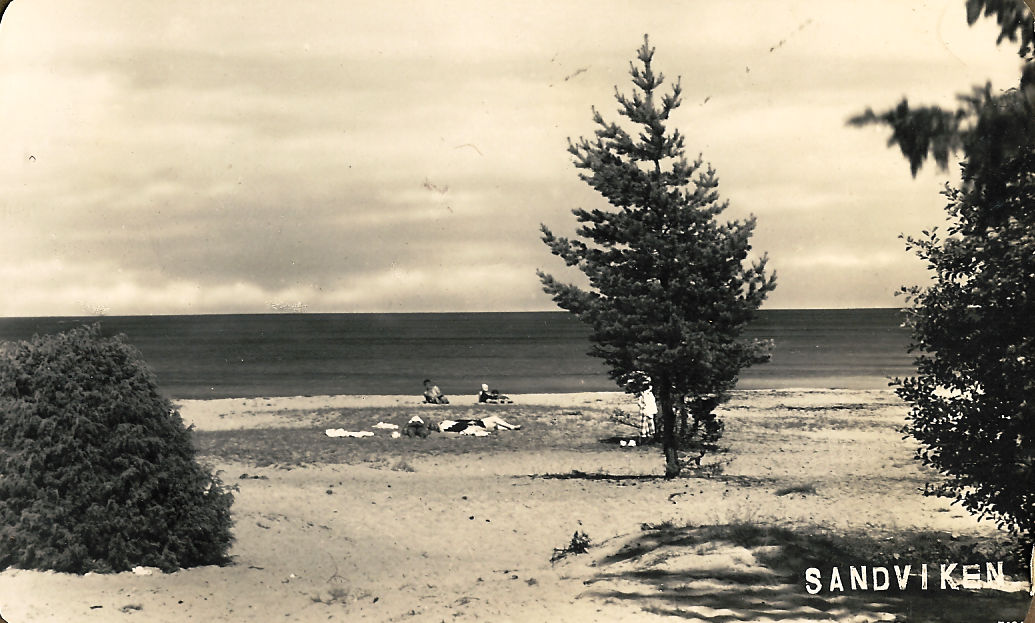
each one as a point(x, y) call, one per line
point(283, 412)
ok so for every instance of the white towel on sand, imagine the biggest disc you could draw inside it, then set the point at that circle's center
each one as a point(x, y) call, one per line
point(341, 432)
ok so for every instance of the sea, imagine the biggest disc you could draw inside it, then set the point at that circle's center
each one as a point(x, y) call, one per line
point(266, 355)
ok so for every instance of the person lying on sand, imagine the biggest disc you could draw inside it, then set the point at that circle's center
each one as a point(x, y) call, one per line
point(432, 395)
point(416, 428)
point(485, 423)
point(493, 397)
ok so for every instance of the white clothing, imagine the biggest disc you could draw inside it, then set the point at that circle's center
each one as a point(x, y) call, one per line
point(648, 409)
point(341, 432)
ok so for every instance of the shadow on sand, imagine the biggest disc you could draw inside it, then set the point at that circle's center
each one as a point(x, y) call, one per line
point(723, 574)
point(580, 475)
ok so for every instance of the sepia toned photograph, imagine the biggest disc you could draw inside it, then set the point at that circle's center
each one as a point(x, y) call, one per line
point(483, 311)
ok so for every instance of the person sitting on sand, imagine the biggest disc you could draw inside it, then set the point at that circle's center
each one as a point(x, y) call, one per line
point(485, 423)
point(432, 395)
point(493, 397)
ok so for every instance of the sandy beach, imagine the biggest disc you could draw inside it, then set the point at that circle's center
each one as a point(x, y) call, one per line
point(412, 532)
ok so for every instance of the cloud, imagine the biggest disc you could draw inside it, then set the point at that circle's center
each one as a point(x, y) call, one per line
point(195, 157)
point(55, 288)
point(831, 259)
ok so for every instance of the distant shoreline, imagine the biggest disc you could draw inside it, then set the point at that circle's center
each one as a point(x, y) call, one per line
point(295, 411)
point(825, 383)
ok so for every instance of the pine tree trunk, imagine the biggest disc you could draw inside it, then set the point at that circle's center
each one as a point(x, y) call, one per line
point(679, 406)
point(670, 441)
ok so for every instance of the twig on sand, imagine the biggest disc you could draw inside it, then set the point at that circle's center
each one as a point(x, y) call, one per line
point(340, 579)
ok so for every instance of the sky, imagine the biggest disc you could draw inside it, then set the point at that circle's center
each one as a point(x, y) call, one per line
point(198, 157)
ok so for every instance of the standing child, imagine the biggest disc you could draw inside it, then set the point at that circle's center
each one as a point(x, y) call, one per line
point(648, 409)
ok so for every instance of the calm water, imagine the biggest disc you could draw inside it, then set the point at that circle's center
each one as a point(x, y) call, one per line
point(223, 356)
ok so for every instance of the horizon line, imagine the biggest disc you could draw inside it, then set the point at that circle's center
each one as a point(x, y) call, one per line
point(342, 313)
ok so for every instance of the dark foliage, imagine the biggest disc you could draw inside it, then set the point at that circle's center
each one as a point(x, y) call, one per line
point(973, 399)
point(1013, 17)
point(990, 128)
point(98, 470)
point(671, 286)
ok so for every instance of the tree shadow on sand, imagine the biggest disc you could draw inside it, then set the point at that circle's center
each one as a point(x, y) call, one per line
point(580, 475)
point(709, 472)
point(744, 572)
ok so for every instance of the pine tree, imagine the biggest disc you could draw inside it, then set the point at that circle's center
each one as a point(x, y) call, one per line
point(670, 292)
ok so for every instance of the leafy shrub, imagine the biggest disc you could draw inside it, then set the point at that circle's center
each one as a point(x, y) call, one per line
point(98, 470)
point(972, 403)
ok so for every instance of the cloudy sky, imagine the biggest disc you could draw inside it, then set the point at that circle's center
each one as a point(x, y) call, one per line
point(189, 156)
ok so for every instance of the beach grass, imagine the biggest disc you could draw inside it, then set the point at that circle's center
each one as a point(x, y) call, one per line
point(583, 429)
